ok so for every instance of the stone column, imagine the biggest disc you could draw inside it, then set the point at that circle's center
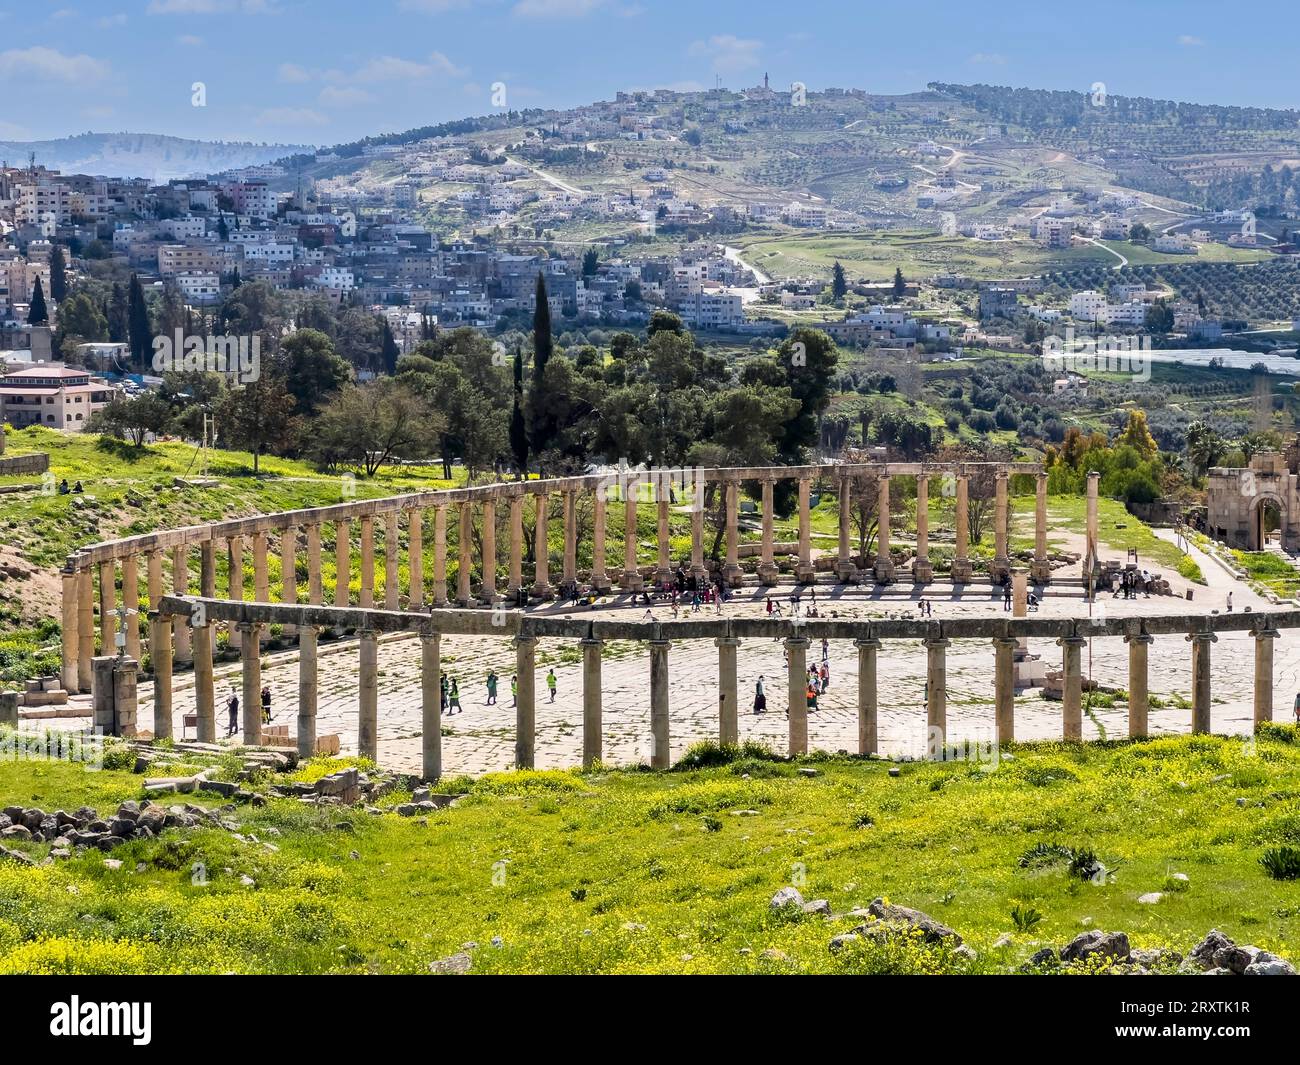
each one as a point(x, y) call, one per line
point(1139, 700)
point(181, 652)
point(69, 618)
point(392, 556)
point(592, 740)
point(1264, 674)
point(728, 691)
point(698, 569)
point(660, 741)
point(663, 571)
point(516, 547)
point(884, 560)
point(570, 559)
point(235, 568)
point(307, 690)
point(1001, 564)
point(922, 569)
point(440, 555)
point(107, 607)
point(315, 582)
point(541, 550)
point(526, 701)
point(1072, 687)
point(250, 653)
point(160, 659)
point(845, 568)
point(488, 591)
point(154, 577)
point(797, 692)
point(631, 579)
point(767, 568)
point(343, 563)
point(1090, 557)
point(368, 696)
point(415, 558)
point(208, 569)
point(1040, 569)
point(961, 564)
point(868, 737)
point(1201, 642)
point(431, 704)
point(261, 578)
point(936, 692)
point(85, 628)
point(464, 563)
point(131, 601)
point(804, 572)
point(366, 599)
point(732, 572)
point(599, 569)
point(1004, 688)
point(205, 697)
point(289, 567)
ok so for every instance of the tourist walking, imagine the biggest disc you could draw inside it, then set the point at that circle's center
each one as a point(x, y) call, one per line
point(760, 698)
point(1229, 602)
point(453, 696)
point(1006, 595)
point(514, 689)
point(445, 688)
point(551, 682)
point(266, 706)
point(232, 708)
point(491, 687)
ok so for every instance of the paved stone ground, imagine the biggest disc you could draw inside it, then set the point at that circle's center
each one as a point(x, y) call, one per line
point(481, 739)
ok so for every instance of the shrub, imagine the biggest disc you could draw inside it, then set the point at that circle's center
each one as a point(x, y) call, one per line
point(1282, 863)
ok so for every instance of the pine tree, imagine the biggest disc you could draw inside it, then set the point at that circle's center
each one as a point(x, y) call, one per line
point(139, 328)
point(223, 230)
point(900, 286)
point(58, 274)
point(38, 315)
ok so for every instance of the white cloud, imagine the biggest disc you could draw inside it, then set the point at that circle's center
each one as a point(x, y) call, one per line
point(991, 59)
point(293, 74)
point(210, 7)
point(109, 21)
point(556, 8)
point(443, 65)
point(394, 68)
point(728, 53)
point(332, 96)
point(433, 7)
point(1188, 41)
point(62, 13)
point(290, 116)
point(48, 64)
point(189, 40)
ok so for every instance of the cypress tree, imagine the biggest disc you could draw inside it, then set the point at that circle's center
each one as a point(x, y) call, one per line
point(388, 352)
point(139, 328)
point(38, 315)
point(518, 427)
point(540, 418)
point(58, 275)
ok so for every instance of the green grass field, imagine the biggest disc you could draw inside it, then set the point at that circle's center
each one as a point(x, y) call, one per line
point(641, 872)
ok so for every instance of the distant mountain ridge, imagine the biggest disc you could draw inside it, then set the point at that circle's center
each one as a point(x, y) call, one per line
point(150, 155)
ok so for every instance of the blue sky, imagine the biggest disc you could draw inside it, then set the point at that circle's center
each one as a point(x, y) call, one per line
point(325, 71)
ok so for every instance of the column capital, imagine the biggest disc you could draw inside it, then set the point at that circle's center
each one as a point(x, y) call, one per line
point(727, 641)
point(1265, 634)
point(867, 643)
point(1073, 641)
point(1142, 637)
point(1006, 641)
point(936, 641)
point(1204, 636)
point(593, 641)
point(793, 642)
point(525, 639)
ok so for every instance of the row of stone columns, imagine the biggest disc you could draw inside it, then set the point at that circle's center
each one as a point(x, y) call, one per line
point(162, 631)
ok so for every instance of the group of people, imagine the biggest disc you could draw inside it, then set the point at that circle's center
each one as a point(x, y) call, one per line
point(797, 608)
point(232, 708)
point(1129, 582)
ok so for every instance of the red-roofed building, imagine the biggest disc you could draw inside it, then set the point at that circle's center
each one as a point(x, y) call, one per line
point(53, 395)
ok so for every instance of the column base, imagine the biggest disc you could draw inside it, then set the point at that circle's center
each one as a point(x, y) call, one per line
point(805, 573)
point(884, 571)
point(1040, 571)
point(733, 575)
point(768, 573)
point(962, 570)
point(700, 573)
point(663, 576)
point(631, 581)
point(1000, 570)
point(600, 582)
point(489, 598)
point(543, 591)
point(847, 572)
point(922, 571)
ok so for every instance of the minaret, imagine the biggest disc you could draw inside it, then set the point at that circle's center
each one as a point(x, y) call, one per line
point(765, 82)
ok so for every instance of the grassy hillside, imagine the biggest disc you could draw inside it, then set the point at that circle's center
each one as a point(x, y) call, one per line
point(633, 871)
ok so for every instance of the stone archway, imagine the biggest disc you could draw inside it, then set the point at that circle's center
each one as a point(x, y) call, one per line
point(1266, 515)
